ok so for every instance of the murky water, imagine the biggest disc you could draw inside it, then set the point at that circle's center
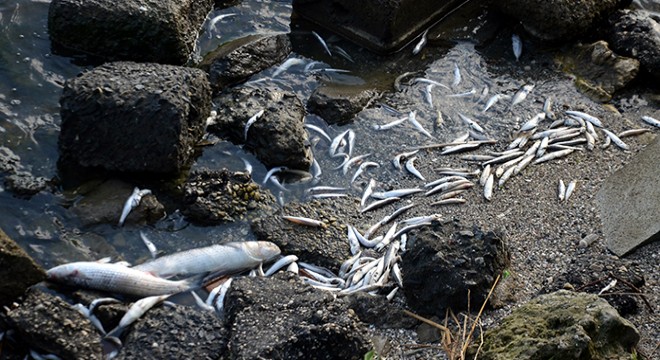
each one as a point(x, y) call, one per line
point(31, 80)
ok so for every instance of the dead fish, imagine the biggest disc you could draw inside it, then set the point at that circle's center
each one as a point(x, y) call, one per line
point(584, 116)
point(412, 117)
point(443, 180)
point(547, 109)
point(286, 65)
point(343, 53)
point(221, 259)
point(116, 278)
point(272, 171)
point(457, 76)
point(429, 81)
point(465, 94)
point(304, 221)
point(553, 155)
point(136, 310)
point(488, 188)
point(561, 190)
point(336, 143)
point(368, 190)
point(473, 124)
point(615, 139)
point(484, 175)
point(428, 95)
point(422, 42)
point(379, 203)
point(328, 195)
point(390, 124)
point(454, 185)
point(492, 101)
point(521, 95)
point(323, 43)
point(398, 193)
point(523, 164)
point(507, 174)
point(533, 122)
point(517, 46)
point(215, 20)
point(569, 189)
point(352, 161)
point(632, 132)
point(410, 166)
point(132, 202)
point(396, 161)
point(319, 131)
point(451, 201)
point(150, 246)
point(651, 121)
point(362, 168)
point(249, 123)
point(459, 148)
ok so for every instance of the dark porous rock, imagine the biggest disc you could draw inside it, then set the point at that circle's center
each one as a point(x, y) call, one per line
point(49, 325)
point(212, 197)
point(18, 270)
point(629, 200)
point(278, 137)
point(561, 325)
point(591, 272)
point(377, 310)
point(324, 246)
point(599, 71)
point(234, 62)
point(138, 30)
point(105, 203)
point(280, 317)
point(338, 104)
point(9, 162)
point(445, 261)
point(22, 183)
point(559, 19)
point(132, 117)
point(636, 34)
point(179, 332)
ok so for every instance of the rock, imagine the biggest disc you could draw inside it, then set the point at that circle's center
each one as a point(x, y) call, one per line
point(378, 311)
point(282, 318)
point(137, 30)
point(17, 269)
point(337, 104)
point(22, 183)
point(105, 203)
point(319, 246)
point(629, 201)
point(134, 117)
point(559, 19)
point(49, 325)
point(212, 197)
point(178, 332)
point(599, 71)
point(9, 162)
point(561, 325)
point(235, 61)
point(637, 35)
point(277, 138)
point(379, 25)
point(443, 263)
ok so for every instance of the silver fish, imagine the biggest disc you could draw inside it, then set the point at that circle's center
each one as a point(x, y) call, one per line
point(523, 164)
point(632, 132)
point(465, 94)
point(286, 65)
point(323, 43)
point(131, 203)
point(136, 310)
point(553, 155)
point(336, 143)
point(362, 168)
point(379, 203)
point(343, 53)
point(398, 193)
point(547, 109)
point(615, 139)
point(410, 166)
point(428, 95)
point(221, 259)
point(249, 123)
point(353, 241)
point(488, 188)
point(507, 174)
point(279, 264)
point(328, 195)
point(422, 42)
point(651, 121)
point(584, 116)
point(457, 76)
point(272, 171)
point(492, 101)
point(561, 190)
point(521, 95)
point(473, 124)
point(390, 124)
point(569, 189)
point(461, 147)
point(533, 122)
point(449, 186)
point(150, 246)
point(413, 119)
point(443, 180)
point(215, 21)
point(116, 278)
point(517, 46)
point(429, 81)
point(352, 161)
point(311, 64)
point(396, 161)
point(319, 131)
point(450, 201)
point(304, 221)
point(367, 191)
point(484, 175)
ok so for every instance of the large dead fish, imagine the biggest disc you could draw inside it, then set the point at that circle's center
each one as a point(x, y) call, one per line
point(227, 258)
point(116, 278)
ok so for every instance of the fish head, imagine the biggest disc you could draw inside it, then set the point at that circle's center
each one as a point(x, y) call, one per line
point(264, 250)
point(67, 274)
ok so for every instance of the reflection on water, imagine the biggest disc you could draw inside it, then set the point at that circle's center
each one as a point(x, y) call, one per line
point(31, 80)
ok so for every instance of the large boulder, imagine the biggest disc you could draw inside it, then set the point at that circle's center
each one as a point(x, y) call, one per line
point(278, 137)
point(175, 332)
point(49, 325)
point(636, 34)
point(213, 197)
point(235, 61)
point(599, 71)
point(561, 325)
point(280, 317)
point(559, 19)
point(629, 201)
point(18, 270)
point(445, 261)
point(338, 104)
point(133, 117)
point(138, 30)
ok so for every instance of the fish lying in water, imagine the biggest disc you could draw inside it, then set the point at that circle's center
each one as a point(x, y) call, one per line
point(116, 278)
point(227, 258)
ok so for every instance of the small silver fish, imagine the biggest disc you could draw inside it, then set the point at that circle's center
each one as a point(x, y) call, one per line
point(398, 193)
point(323, 43)
point(410, 166)
point(428, 95)
point(215, 20)
point(569, 189)
point(561, 190)
point(367, 192)
point(521, 94)
point(533, 122)
point(286, 65)
point(473, 124)
point(553, 155)
point(304, 221)
point(132, 202)
point(422, 42)
point(396, 161)
point(136, 310)
point(390, 124)
point(413, 119)
point(584, 116)
point(488, 188)
point(457, 76)
point(379, 203)
point(249, 123)
point(492, 101)
point(362, 168)
point(651, 121)
point(517, 46)
point(615, 139)
point(150, 245)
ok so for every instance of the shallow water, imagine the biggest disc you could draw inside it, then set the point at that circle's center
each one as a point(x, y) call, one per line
point(31, 81)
